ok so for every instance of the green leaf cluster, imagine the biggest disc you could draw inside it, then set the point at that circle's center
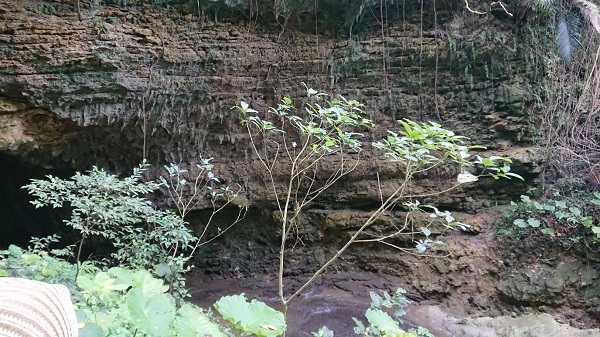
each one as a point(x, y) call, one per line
point(117, 209)
point(325, 126)
point(427, 145)
point(35, 265)
point(124, 302)
point(253, 317)
point(112, 302)
point(559, 217)
point(381, 323)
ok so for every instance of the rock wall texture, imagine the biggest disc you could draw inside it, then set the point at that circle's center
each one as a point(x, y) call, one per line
point(81, 92)
point(132, 81)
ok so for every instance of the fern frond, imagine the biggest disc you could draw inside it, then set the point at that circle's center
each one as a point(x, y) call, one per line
point(568, 34)
point(590, 12)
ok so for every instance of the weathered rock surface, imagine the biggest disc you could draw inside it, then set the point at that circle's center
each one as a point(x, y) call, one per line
point(443, 324)
point(127, 82)
point(175, 78)
point(132, 81)
point(540, 284)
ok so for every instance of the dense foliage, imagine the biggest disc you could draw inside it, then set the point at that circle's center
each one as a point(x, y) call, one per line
point(566, 219)
point(111, 301)
point(132, 302)
point(117, 209)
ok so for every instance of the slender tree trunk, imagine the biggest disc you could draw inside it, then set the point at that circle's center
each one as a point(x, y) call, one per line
point(79, 10)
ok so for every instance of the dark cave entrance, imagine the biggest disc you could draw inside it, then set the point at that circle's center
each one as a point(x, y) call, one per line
point(19, 219)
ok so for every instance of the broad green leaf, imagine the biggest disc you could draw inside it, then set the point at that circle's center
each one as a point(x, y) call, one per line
point(143, 280)
point(15, 251)
point(533, 222)
point(376, 299)
point(596, 230)
point(525, 198)
point(360, 326)
point(3, 273)
point(101, 284)
point(152, 315)
point(487, 162)
point(550, 208)
point(548, 231)
point(587, 221)
point(561, 215)
point(560, 203)
point(123, 276)
point(90, 329)
point(190, 322)
point(252, 317)
point(163, 270)
point(576, 211)
point(520, 223)
point(382, 321)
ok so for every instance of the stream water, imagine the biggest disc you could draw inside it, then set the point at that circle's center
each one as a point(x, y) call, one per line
point(320, 306)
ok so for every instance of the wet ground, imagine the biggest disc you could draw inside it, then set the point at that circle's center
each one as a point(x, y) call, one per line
point(334, 300)
point(322, 305)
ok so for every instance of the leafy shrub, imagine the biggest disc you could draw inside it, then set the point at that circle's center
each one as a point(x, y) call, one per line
point(123, 302)
point(568, 220)
point(117, 209)
point(104, 205)
point(381, 323)
point(112, 302)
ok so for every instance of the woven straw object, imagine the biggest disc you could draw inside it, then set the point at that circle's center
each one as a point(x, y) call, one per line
point(35, 309)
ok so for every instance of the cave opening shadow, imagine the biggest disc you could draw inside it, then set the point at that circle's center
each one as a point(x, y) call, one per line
point(19, 219)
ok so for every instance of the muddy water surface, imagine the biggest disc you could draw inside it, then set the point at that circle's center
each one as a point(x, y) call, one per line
point(323, 305)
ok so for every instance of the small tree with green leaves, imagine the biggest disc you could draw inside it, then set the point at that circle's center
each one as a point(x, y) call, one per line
point(117, 209)
point(188, 189)
point(322, 143)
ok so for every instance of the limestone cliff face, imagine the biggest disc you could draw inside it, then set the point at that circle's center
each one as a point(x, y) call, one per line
point(129, 81)
point(125, 82)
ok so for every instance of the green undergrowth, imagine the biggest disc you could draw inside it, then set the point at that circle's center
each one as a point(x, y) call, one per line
point(566, 219)
point(112, 301)
point(133, 302)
